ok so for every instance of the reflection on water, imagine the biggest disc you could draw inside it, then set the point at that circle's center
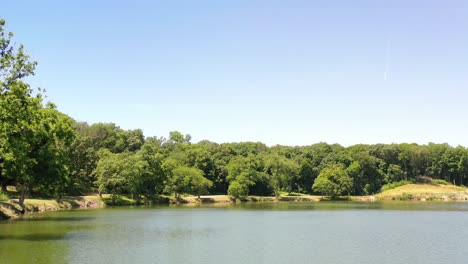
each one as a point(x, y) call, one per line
point(43, 218)
point(387, 205)
point(325, 232)
point(33, 237)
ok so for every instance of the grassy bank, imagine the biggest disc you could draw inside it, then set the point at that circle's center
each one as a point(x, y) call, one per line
point(11, 209)
point(425, 192)
point(207, 199)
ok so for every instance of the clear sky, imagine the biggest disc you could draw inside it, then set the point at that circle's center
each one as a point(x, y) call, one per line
point(280, 72)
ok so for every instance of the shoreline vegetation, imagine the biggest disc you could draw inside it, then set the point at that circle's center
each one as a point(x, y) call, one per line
point(10, 209)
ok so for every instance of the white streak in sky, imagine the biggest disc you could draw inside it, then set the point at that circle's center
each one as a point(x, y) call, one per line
point(387, 59)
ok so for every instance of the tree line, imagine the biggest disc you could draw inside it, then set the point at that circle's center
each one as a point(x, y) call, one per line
point(46, 153)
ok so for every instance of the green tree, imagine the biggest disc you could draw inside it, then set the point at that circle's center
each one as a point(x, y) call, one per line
point(282, 171)
point(112, 173)
point(366, 170)
point(148, 176)
point(106, 135)
point(394, 173)
point(241, 176)
point(238, 190)
point(177, 137)
point(188, 180)
point(333, 181)
point(56, 135)
point(20, 116)
point(83, 160)
point(199, 184)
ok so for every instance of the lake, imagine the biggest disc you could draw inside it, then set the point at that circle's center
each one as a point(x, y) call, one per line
point(325, 232)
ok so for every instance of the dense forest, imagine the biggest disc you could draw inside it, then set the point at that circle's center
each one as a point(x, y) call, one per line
point(46, 153)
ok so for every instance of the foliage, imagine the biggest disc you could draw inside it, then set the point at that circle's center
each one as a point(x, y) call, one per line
point(119, 200)
point(3, 196)
point(394, 185)
point(439, 181)
point(138, 174)
point(111, 172)
point(333, 181)
point(33, 140)
point(148, 176)
point(238, 190)
point(405, 197)
point(282, 172)
point(188, 180)
point(241, 176)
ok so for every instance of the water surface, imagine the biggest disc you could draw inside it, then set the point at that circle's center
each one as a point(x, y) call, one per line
point(248, 233)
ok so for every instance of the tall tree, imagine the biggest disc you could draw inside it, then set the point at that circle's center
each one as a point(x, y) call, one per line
point(113, 173)
point(189, 180)
point(282, 171)
point(333, 181)
point(20, 115)
point(241, 176)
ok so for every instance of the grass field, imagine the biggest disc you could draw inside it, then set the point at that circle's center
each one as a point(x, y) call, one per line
point(425, 191)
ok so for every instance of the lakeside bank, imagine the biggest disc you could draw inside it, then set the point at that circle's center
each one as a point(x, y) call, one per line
point(10, 209)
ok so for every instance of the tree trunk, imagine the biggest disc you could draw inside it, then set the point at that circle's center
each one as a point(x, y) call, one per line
point(23, 194)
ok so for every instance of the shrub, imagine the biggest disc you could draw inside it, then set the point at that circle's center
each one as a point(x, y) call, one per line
point(406, 197)
point(118, 200)
point(237, 190)
point(393, 185)
point(3, 196)
point(440, 181)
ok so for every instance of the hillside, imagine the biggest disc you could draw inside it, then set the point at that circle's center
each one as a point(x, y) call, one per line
point(425, 192)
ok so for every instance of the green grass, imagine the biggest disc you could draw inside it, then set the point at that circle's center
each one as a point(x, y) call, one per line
point(3, 196)
point(442, 182)
point(282, 193)
point(426, 191)
point(404, 197)
point(393, 185)
point(338, 198)
point(118, 200)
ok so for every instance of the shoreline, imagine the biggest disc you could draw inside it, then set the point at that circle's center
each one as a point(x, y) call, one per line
point(10, 209)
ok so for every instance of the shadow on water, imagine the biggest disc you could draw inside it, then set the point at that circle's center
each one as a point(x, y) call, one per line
point(57, 219)
point(34, 237)
point(344, 205)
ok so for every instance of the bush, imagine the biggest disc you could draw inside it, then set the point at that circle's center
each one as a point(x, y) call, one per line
point(406, 197)
point(118, 200)
point(282, 193)
point(440, 181)
point(393, 185)
point(237, 190)
point(3, 196)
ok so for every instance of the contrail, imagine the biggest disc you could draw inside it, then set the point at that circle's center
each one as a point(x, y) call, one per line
point(387, 59)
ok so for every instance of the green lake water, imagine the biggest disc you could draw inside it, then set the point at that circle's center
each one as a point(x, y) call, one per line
point(249, 233)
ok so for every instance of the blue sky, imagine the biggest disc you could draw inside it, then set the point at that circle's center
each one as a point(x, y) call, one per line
point(280, 72)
